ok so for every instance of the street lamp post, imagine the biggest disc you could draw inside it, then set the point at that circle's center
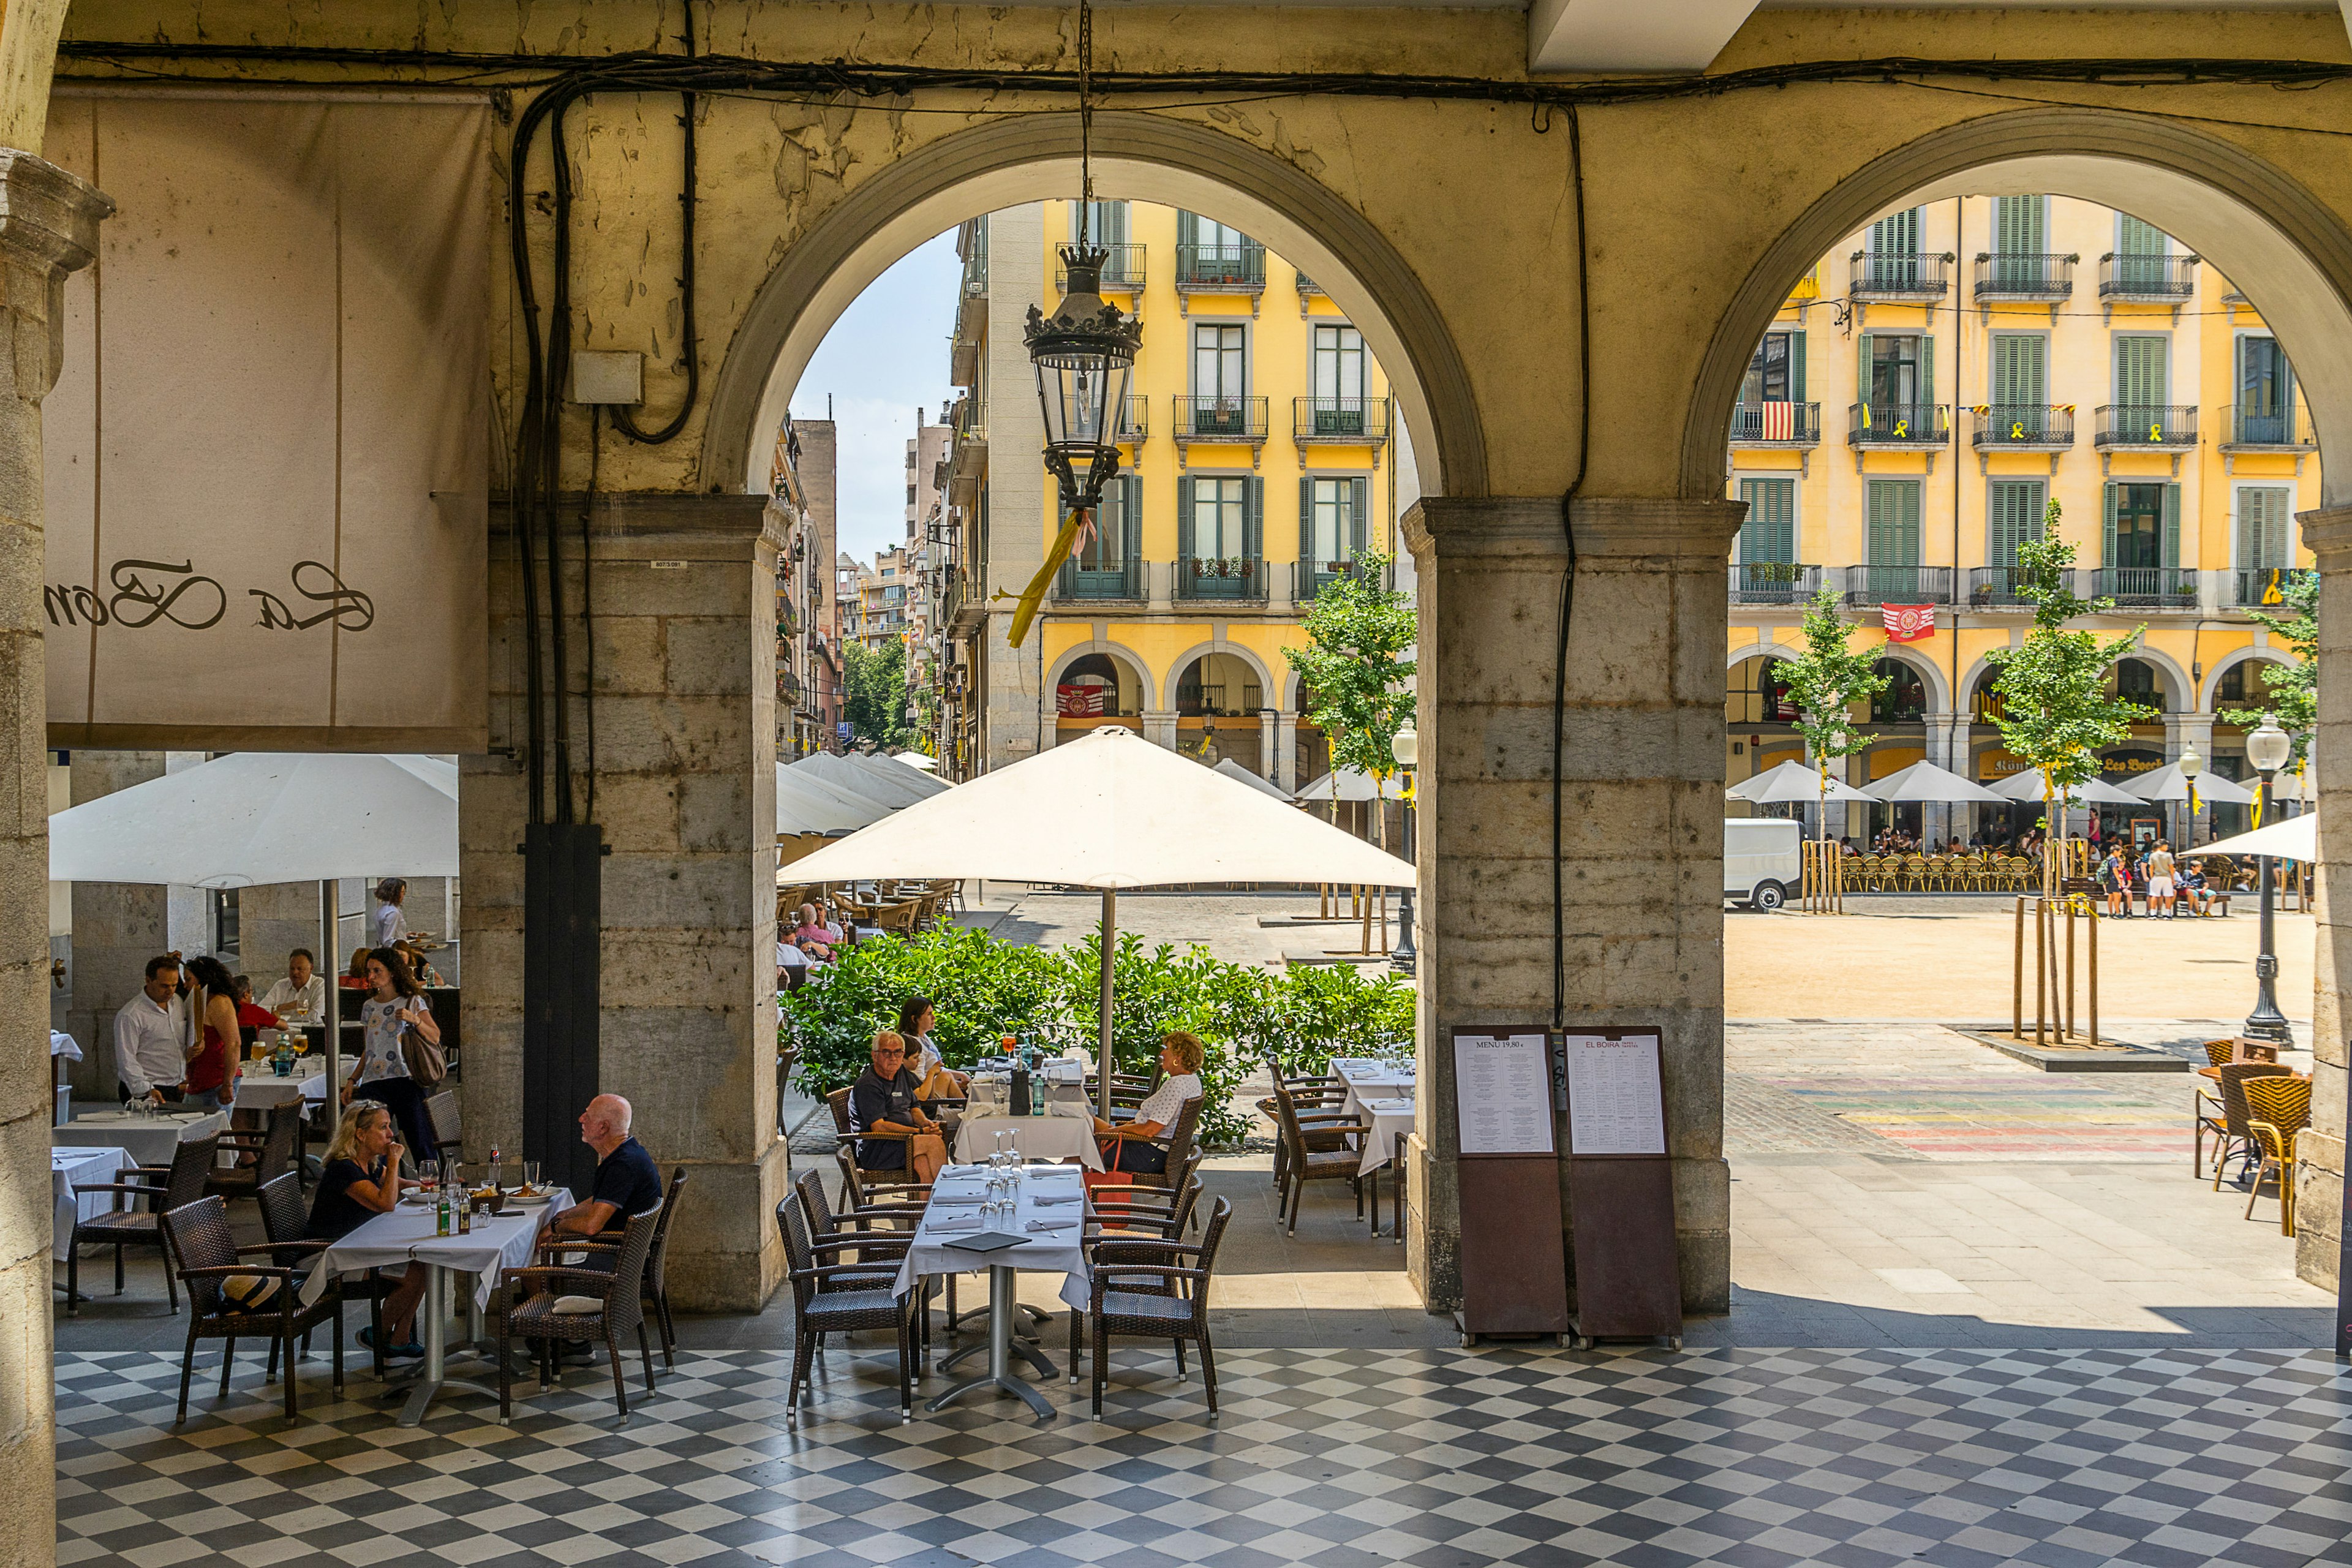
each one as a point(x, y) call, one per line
point(2268, 749)
point(1406, 747)
point(2190, 765)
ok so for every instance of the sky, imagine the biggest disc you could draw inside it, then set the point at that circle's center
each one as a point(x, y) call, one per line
point(883, 362)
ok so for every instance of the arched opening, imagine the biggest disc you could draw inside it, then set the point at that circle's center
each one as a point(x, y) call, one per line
point(1759, 728)
point(1097, 688)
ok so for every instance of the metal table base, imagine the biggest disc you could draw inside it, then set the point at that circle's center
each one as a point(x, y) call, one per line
point(1001, 1347)
point(432, 1377)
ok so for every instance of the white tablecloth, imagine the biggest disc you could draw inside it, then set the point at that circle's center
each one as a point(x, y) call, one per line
point(1386, 1118)
point(150, 1139)
point(406, 1234)
point(87, 1166)
point(1370, 1079)
point(1055, 1250)
point(1040, 1137)
point(260, 1088)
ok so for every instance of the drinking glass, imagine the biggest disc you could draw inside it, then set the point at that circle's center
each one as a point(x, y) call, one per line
point(530, 1175)
point(429, 1173)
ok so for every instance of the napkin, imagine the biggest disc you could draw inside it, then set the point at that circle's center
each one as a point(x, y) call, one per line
point(1038, 1224)
point(944, 1201)
point(937, 1227)
point(1065, 1198)
point(1388, 1105)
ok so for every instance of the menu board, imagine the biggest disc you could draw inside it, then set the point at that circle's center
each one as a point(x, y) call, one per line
point(1614, 1102)
point(1502, 1092)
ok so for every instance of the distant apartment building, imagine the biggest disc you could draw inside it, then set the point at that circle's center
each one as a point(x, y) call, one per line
point(802, 495)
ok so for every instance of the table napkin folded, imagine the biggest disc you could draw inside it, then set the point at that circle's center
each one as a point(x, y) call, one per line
point(957, 1202)
point(1038, 1225)
point(1064, 1198)
point(938, 1227)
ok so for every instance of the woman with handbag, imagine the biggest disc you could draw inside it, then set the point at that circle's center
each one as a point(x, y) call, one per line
point(401, 1060)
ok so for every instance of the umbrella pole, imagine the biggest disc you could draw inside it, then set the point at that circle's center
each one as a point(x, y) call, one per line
point(1109, 947)
point(329, 1013)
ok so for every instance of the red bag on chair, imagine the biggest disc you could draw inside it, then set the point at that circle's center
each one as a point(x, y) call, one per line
point(1114, 1177)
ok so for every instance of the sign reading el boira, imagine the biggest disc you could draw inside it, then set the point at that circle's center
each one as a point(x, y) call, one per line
point(268, 449)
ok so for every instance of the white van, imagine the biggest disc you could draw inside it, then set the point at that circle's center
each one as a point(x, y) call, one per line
point(1762, 862)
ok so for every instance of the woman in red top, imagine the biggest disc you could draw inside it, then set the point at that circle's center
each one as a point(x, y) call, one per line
point(211, 1014)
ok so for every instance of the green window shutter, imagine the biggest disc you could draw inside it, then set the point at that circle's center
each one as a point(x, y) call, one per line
point(1306, 524)
point(1131, 519)
point(1861, 367)
point(2017, 225)
point(2136, 237)
point(1898, 233)
point(2277, 546)
point(1360, 510)
point(2019, 368)
point(1894, 511)
point(1185, 498)
point(2140, 364)
point(2111, 494)
point(1769, 532)
point(1253, 520)
point(2172, 527)
point(1188, 228)
point(1796, 368)
point(1926, 377)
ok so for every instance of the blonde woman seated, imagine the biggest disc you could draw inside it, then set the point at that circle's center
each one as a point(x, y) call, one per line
point(1128, 1146)
point(887, 1099)
point(359, 1178)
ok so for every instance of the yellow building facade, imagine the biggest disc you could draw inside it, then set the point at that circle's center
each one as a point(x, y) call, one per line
point(1258, 466)
point(1918, 401)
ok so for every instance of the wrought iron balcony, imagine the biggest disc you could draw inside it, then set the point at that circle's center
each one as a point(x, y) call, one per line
point(1999, 588)
point(1220, 269)
point(788, 686)
point(1899, 275)
point(1135, 419)
point(2265, 587)
point(1776, 424)
point(1898, 584)
point(2270, 430)
point(1774, 583)
point(2146, 587)
point(2033, 278)
point(2157, 279)
point(1199, 419)
point(1122, 269)
point(2021, 427)
point(1122, 582)
point(1902, 425)
point(1340, 421)
point(1308, 578)
point(2155, 427)
point(1228, 578)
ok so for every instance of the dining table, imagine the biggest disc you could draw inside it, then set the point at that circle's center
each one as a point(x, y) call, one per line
point(1038, 1138)
point(151, 1139)
point(1381, 1095)
point(259, 1087)
point(86, 1165)
point(406, 1234)
point(1044, 1231)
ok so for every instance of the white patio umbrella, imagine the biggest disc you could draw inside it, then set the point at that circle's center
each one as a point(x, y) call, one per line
point(896, 773)
point(2294, 839)
point(1795, 782)
point(1233, 770)
point(892, 787)
point(2028, 786)
point(1351, 784)
point(806, 804)
point(2169, 782)
point(1110, 811)
point(1924, 783)
point(253, 818)
point(916, 760)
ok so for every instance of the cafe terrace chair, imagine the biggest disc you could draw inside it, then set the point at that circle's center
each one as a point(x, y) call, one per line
point(1334, 1157)
point(448, 1126)
point(656, 1281)
point(285, 1220)
point(839, 1298)
point(528, 1299)
point(2278, 1110)
point(2232, 1133)
point(1178, 1144)
point(1146, 1288)
point(1124, 1213)
point(171, 1186)
point(204, 1253)
point(263, 1155)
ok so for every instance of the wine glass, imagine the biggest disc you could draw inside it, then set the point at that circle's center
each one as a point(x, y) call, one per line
point(428, 1174)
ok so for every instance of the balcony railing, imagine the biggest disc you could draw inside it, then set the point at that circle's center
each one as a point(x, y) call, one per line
point(2265, 587)
point(1776, 424)
point(1122, 269)
point(1308, 578)
point(2164, 280)
point(1135, 419)
point(2146, 587)
point(1898, 275)
point(1220, 269)
point(1230, 577)
point(1344, 421)
point(1199, 419)
point(2021, 427)
point(2263, 430)
point(1774, 583)
point(1997, 588)
point(1907, 425)
point(2036, 278)
point(1123, 580)
point(2160, 426)
point(1898, 584)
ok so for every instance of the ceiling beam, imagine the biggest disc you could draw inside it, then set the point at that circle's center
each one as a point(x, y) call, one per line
point(1635, 35)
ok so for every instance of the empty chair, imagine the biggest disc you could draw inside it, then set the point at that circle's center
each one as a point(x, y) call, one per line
point(1155, 1289)
point(2278, 1109)
point(171, 1186)
point(835, 1298)
point(230, 1299)
point(264, 1154)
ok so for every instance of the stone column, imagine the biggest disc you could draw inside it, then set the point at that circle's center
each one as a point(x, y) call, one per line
point(1285, 750)
point(1946, 747)
point(2181, 731)
point(2320, 1148)
point(118, 927)
point(1159, 727)
point(48, 228)
point(684, 774)
point(1269, 739)
point(1643, 834)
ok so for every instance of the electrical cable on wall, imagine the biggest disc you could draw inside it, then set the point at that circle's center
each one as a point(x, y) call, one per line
point(1567, 579)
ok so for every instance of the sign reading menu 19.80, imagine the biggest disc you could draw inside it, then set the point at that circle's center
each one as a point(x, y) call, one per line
point(1614, 1102)
point(1503, 1093)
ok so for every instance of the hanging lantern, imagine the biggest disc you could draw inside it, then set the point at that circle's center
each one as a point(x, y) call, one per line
point(1084, 357)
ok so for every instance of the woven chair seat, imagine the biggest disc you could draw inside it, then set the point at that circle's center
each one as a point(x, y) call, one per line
point(535, 1317)
point(1130, 1312)
point(124, 1221)
point(833, 1311)
point(1316, 1160)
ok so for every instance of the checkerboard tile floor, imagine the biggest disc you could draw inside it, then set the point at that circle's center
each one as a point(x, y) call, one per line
point(1750, 1458)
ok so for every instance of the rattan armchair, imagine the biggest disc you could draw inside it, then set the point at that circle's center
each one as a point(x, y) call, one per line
point(2278, 1110)
point(528, 1299)
point(205, 1253)
point(1149, 1290)
point(2229, 1128)
point(1335, 1155)
point(833, 1298)
point(263, 1154)
point(171, 1186)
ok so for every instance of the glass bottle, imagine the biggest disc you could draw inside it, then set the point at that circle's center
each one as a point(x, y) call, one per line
point(465, 1212)
point(441, 1211)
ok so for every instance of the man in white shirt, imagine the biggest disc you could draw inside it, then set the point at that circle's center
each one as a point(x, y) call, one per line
point(151, 1036)
point(301, 996)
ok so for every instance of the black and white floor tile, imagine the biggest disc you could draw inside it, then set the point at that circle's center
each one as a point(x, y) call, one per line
point(1445, 1458)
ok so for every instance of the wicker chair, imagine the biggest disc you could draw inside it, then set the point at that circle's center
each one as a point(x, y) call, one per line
point(835, 1299)
point(1320, 1103)
point(285, 1222)
point(2229, 1129)
point(1177, 1142)
point(204, 1253)
point(1119, 1214)
point(2221, 1053)
point(1145, 1289)
point(263, 1155)
point(171, 1186)
point(2278, 1110)
point(1303, 1161)
point(449, 1127)
point(527, 1299)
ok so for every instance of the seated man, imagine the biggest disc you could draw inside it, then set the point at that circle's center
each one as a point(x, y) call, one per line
point(627, 1182)
point(814, 936)
point(887, 1100)
point(1131, 1145)
point(301, 995)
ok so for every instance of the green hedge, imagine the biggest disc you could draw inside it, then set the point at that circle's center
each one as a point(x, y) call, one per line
point(983, 989)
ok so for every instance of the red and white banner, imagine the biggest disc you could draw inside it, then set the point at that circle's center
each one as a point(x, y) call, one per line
point(1085, 699)
point(1908, 623)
